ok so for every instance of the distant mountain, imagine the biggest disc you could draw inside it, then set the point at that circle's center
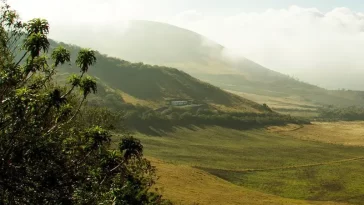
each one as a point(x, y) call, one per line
point(167, 45)
point(152, 86)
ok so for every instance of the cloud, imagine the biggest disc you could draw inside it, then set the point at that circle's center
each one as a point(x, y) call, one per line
point(79, 11)
point(189, 16)
point(324, 48)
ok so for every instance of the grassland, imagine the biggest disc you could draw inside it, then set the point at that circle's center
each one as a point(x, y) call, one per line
point(186, 185)
point(340, 182)
point(346, 133)
point(293, 105)
point(266, 161)
point(221, 148)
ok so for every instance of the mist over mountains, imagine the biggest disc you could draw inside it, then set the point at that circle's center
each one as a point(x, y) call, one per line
point(313, 42)
point(163, 44)
point(320, 47)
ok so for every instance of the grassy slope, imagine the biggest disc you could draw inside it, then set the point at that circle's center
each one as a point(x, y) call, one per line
point(141, 83)
point(228, 153)
point(186, 185)
point(340, 182)
point(293, 105)
point(283, 87)
point(221, 148)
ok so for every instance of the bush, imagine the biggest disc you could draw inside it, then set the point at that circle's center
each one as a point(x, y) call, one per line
point(49, 153)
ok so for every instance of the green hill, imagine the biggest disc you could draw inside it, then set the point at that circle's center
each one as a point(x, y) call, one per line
point(141, 95)
point(153, 86)
point(167, 45)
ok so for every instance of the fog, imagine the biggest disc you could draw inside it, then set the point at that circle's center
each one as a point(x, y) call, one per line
point(324, 48)
point(321, 48)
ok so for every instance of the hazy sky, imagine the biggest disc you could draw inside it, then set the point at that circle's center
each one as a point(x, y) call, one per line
point(310, 39)
point(159, 9)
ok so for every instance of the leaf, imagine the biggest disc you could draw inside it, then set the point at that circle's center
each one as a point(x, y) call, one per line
point(61, 55)
point(36, 26)
point(35, 43)
point(88, 85)
point(85, 59)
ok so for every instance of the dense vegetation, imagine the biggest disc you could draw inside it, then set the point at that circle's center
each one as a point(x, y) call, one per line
point(166, 119)
point(333, 113)
point(51, 152)
point(147, 120)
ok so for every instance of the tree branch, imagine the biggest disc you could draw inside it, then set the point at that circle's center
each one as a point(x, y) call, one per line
point(73, 87)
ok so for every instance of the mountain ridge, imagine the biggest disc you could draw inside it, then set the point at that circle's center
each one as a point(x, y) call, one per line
point(155, 84)
point(171, 46)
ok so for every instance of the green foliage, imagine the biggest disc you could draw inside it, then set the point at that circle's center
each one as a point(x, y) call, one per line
point(332, 113)
point(143, 118)
point(100, 116)
point(52, 151)
point(61, 55)
point(130, 147)
point(85, 59)
point(88, 85)
point(37, 26)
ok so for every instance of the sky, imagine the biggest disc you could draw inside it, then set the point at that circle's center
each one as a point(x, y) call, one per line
point(308, 39)
point(159, 9)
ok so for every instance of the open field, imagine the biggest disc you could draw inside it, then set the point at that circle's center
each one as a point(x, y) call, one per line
point(283, 102)
point(222, 148)
point(346, 133)
point(340, 182)
point(293, 105)
point(266, 161)
point(186, 185)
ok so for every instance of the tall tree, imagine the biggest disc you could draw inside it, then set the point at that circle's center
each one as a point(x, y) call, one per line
point(48, 155)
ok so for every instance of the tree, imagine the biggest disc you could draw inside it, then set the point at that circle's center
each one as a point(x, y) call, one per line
point(48, 154)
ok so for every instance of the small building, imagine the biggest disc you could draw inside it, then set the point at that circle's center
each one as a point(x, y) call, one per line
point(179, 103)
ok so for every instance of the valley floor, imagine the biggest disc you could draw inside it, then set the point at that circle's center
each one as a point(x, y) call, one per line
point(345, 133)
point(277, 165)
point(190, 186)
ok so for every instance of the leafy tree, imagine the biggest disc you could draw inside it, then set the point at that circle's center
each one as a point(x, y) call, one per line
point(48, 153)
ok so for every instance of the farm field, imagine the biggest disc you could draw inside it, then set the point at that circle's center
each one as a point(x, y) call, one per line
point(267, 161)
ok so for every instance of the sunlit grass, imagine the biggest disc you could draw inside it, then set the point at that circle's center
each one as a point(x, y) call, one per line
point(346, 133)
point(334, 182)
point(222, 148)
point(227, 153)
point(186, 185)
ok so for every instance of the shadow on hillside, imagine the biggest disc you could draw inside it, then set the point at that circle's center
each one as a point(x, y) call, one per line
point(164, 130)
point(157, 125)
